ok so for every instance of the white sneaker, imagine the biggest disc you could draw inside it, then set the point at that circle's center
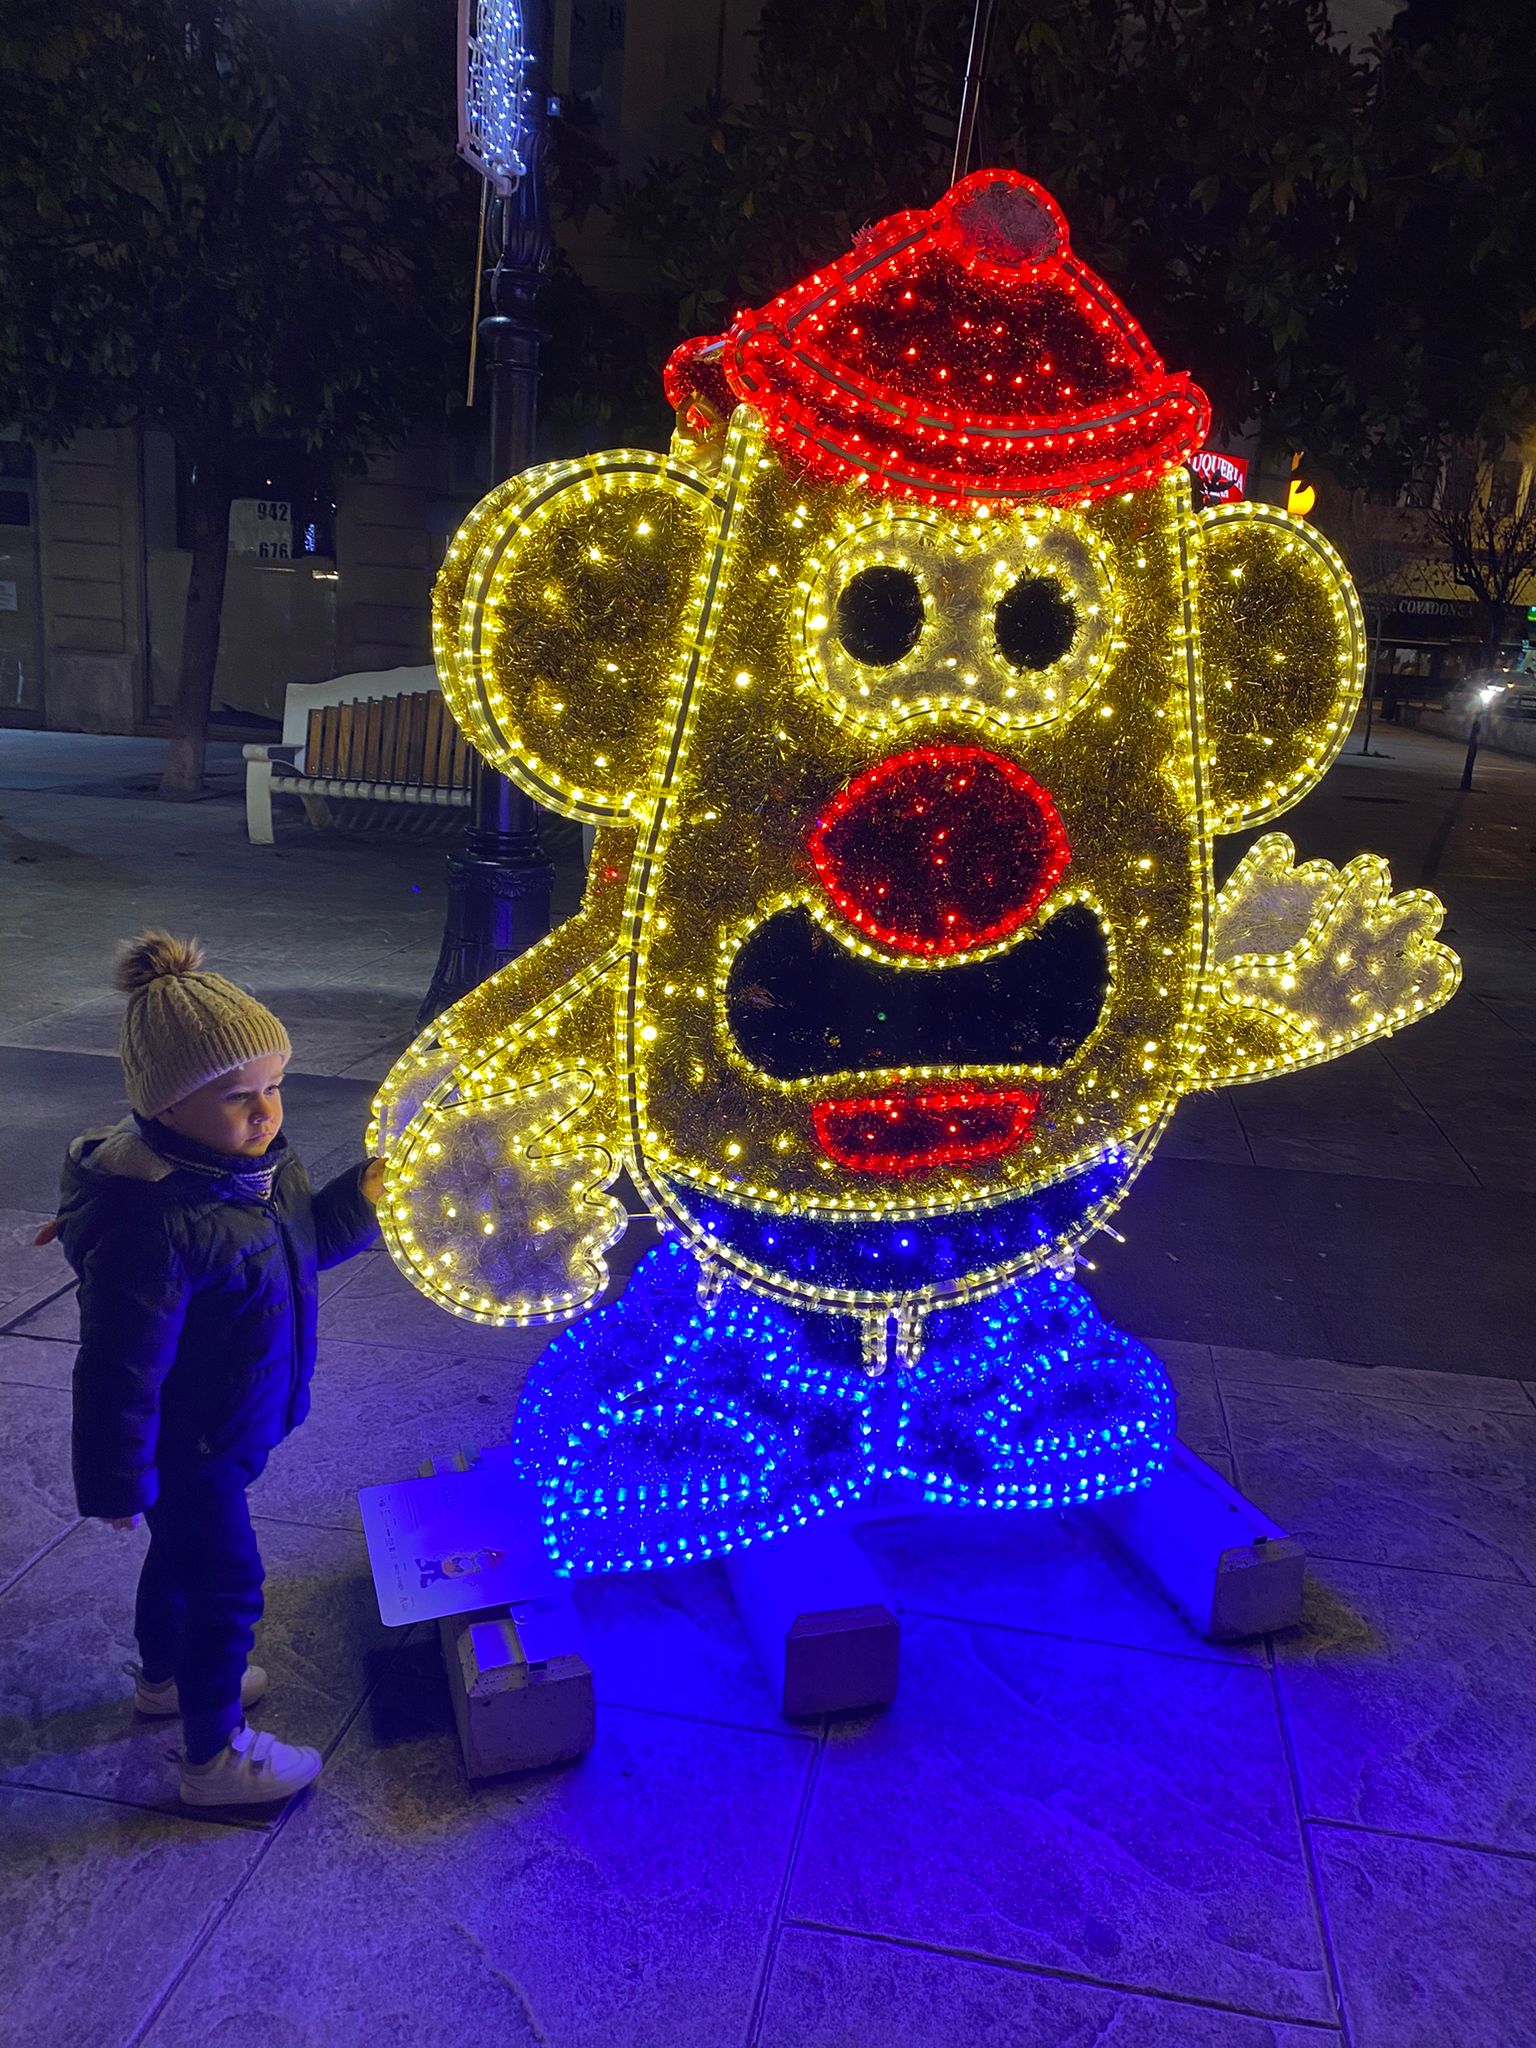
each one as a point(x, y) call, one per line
point(162, 1700)
point(251, 1770)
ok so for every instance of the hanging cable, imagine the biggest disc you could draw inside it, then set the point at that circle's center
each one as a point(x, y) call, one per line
point(970, 97)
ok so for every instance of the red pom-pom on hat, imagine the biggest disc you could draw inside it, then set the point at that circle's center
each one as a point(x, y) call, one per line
point(960, 355)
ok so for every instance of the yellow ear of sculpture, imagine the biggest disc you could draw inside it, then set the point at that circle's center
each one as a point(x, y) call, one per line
point(1308, 962)
point(562, 615)
point(1282, 652)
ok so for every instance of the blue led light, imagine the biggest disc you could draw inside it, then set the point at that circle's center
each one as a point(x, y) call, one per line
point(661, 1431)
point(834, 1252)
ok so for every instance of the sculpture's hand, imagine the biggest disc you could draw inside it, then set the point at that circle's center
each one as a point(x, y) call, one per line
point(1309, 962)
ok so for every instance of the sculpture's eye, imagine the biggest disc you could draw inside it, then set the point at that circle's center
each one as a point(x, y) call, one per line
point(1035, 623)
point(879, 615)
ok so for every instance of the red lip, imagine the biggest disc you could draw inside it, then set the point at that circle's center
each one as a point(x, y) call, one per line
point(911, 1131)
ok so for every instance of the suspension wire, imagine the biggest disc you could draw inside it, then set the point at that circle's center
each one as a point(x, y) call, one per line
point(970, 98)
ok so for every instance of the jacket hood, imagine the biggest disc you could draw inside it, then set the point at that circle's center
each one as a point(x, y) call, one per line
point(103, 1169)
point(115, 1150)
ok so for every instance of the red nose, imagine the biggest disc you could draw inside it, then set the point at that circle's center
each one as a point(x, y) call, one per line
point(940, 850)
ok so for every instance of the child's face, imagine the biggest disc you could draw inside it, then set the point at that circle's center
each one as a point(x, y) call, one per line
point(240, 1113)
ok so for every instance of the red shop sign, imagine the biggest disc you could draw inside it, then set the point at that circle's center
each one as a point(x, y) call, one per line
point(1225, 476)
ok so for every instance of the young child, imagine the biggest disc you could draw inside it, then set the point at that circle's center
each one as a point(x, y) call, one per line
point(197, 1240)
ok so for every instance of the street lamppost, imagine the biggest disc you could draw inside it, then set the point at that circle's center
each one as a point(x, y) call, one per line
point(499, 881)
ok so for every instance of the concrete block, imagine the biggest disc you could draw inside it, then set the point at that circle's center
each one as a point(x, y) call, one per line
point(1227, 1568)
point(522, 1694)
point(521, 1689)
point(816, 1613)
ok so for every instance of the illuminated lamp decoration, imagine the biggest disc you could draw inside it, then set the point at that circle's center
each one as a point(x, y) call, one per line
point(493, 91)
point(907, 696)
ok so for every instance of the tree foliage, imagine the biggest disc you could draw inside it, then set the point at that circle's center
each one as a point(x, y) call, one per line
point(234, 220)
point(230, 218)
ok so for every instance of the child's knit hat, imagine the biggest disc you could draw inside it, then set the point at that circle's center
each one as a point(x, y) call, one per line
point(183, 1027)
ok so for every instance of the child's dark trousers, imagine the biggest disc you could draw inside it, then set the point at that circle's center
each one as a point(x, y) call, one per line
point(200, 1594)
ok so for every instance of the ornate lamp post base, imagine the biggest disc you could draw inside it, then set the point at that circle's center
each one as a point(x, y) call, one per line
point(498, 892)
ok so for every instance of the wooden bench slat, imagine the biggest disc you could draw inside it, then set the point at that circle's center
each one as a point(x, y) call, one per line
point(397, 729)
point(330, 738)
point(442, 760)
point(416, 745)
point(373, 741)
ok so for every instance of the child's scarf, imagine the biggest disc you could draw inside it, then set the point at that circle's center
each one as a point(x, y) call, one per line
point(252, 1178)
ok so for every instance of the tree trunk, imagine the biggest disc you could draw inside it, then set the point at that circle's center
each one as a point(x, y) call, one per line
point(188, 746)
point(1493, 638)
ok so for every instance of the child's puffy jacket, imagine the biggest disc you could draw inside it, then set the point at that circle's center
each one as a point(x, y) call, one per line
point(198, 1306)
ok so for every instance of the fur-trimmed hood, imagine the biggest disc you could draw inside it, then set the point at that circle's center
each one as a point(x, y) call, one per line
point(115, 1149)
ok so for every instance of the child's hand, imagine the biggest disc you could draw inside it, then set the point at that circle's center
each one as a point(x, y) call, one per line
point(48, 1233)
point(120, 1521)
point(373, 1181)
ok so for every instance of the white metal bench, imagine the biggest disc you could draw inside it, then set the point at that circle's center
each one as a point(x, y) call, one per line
point(385, 736)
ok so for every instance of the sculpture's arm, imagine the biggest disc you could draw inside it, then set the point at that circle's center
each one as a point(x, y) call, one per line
point(496, 1204)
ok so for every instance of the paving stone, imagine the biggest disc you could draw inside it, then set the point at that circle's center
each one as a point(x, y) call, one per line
point(65, 1718)
point(36, 1362)
point(1105, 1812)
point(831, 1991)
point(673, 1642)
point(1050, 1573)
point(1434, 1944)
point(29, 1273)
point(1308, 1264)
point(57, 1319)
point(1383, 1482)
point(381, 1306)
point(37, 1501)
point(377, 1412)
point(1467, 1305)
point(100, 1906)
point(1202, 1425)
point(1369, 1382)
point(1209, 1257)
point(1408, 1696)
point(1352, 1116)
point(625, 1899)
point(1473, 1077)
point(1207, 1127)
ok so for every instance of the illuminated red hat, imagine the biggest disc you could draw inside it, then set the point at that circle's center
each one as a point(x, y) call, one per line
point(958, 356)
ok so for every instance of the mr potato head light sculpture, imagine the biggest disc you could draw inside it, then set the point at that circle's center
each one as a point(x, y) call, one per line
point(907, 695)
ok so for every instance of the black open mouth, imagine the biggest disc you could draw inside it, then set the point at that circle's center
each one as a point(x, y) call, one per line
point(800, 1005)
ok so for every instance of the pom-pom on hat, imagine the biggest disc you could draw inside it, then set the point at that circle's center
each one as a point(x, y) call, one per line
point(962, 355)
point(184, 1027)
